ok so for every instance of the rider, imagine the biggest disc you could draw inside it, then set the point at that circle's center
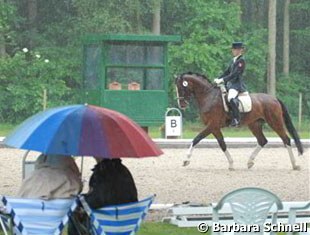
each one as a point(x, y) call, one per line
point(232, 78)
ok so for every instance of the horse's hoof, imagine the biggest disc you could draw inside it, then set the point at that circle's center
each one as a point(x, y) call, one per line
point(250, 165)
point(296, 168)
point(186, 163)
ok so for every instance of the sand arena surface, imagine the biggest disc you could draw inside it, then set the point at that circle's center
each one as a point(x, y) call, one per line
point(205, 180)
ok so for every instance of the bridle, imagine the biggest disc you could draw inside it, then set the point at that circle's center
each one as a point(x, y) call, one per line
point(184, 88)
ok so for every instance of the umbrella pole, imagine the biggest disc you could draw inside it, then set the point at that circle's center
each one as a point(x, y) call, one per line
point(24, 164)
point(82, 164)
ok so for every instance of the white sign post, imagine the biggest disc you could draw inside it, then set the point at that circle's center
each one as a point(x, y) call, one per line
point(173, 124)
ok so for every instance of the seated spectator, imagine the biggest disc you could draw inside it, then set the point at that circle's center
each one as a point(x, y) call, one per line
point(111, 183)
point(55, 176)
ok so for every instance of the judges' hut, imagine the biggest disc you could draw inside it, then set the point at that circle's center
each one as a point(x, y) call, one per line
point(129, 74)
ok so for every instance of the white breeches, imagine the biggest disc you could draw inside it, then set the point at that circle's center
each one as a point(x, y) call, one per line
point(232, 93)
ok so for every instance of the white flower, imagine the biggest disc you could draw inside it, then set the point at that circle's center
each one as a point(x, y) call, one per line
point(25, 50)
point(38, 56)
point(46, 61)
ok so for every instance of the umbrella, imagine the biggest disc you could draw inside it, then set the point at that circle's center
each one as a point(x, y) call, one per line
point(83, 130)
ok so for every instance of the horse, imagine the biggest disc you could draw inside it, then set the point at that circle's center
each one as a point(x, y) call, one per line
point(265, 109)
point(111, 183)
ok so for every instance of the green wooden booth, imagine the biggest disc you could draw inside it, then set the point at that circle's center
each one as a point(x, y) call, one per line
point(129, 74)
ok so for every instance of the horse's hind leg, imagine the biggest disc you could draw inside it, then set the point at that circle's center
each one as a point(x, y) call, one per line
point(277, 124)
point(195, 141)
point(257, 130)
point(220, 139)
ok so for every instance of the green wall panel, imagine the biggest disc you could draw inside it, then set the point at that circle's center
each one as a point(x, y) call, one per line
point(145, 107)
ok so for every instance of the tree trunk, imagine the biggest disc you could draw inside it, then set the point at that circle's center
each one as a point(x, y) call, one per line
point(286, 39)
point(32, 15)
point(272, 29)
point(2, 41)
point(156, 17)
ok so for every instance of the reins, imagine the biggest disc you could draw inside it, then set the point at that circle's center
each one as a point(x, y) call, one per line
point(212, 86)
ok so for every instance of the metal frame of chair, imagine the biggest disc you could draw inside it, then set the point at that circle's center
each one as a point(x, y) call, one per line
point(293, 213)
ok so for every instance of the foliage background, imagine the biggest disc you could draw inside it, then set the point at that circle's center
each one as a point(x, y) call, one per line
point(207, 29)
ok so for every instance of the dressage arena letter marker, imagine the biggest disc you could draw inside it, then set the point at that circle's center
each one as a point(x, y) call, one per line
point(173, 123)
point(173, 126)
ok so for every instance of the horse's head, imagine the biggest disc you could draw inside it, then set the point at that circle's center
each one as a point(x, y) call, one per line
point(184, 88)
point(191, 83)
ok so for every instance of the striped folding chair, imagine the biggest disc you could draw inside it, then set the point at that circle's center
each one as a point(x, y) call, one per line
point(123, 219)
point(37, 216)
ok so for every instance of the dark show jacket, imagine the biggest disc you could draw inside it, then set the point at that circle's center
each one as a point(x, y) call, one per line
point(233, 75)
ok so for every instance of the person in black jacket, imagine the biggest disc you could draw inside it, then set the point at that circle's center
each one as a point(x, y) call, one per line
point(232, 78)
point(111, 183)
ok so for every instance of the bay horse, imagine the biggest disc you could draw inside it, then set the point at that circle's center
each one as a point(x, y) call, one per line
point(265, 108)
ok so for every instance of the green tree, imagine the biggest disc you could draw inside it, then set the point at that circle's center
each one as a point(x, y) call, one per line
point(207, 28)
point(206, 37)
point(7, 15)
point(24, 77)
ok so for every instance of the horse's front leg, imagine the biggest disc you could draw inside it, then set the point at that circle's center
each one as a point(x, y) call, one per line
point(220, 139)
point(195, 141)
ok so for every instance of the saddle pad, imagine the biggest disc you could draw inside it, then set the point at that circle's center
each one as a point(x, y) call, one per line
point(245, 103)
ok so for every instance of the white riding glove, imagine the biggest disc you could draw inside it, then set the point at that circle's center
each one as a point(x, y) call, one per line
point(218, 80)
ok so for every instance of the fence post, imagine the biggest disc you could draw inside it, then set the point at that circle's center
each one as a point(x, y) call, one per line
point(44, 98)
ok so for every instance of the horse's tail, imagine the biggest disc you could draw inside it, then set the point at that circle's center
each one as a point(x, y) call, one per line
point(291, 129)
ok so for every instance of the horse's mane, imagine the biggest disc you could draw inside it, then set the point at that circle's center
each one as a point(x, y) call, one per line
point(196, 75)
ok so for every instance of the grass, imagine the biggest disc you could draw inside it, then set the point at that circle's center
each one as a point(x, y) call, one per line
point(158, 228)
point(6, 128)
point(190, 130)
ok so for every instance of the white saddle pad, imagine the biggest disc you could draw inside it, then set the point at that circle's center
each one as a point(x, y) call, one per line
point(245, 103)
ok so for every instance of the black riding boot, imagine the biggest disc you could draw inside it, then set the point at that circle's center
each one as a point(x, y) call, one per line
point(235, 112)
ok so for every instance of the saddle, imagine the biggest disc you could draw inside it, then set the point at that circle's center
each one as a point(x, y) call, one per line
point(245, 102)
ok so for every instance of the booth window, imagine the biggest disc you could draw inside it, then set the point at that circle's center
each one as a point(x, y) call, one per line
point(124, 76)
point(92, 66)
point(135, 67)
point(154, 79)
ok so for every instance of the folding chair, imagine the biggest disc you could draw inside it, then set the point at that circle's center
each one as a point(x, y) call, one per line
point(249, 206)
point(37, 216)
point(123, 219)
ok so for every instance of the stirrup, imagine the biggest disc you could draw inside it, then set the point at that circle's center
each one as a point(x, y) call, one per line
point(235, 123)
